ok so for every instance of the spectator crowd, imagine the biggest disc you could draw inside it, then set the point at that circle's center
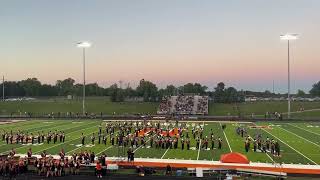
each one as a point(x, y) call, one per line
point(184, 104)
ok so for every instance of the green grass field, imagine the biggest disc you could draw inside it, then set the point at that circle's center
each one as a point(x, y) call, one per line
point(299, 142)
point(103, 104)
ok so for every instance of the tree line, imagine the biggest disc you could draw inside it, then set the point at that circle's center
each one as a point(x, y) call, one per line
point(147, 90)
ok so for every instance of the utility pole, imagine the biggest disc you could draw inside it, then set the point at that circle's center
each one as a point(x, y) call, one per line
point(3, 88)
point(273, 86)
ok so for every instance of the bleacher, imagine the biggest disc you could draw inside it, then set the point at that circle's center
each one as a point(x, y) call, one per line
point(184, 104)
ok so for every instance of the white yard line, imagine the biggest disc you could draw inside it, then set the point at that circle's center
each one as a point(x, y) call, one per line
point(64, 142)
point(304, 129)
point(226, 137)
point(291, 147)
point(85, 136)
point(164, 153)
point(108, 146)
point(146, 143)
point(300, 137)
point(270, 158)
point(199, 148)
point(104, 150)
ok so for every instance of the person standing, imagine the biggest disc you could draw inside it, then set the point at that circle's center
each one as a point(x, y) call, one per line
point(219, 143)
point(63, 136)
point(198, 142)
point(182, 143)
point(39, 138)
point(29, 153)
point(129, 154)
point(93, 138)
point(82, 139)
point(104, 140)
point(254, 145)
point(188, 144)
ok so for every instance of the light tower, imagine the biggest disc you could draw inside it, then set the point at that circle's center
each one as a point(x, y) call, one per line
point(84, 45)
point(289, 37)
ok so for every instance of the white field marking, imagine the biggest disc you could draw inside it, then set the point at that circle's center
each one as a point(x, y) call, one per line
point(46, 128)
point(39, 127)
point(79, 138)
point(300, 137)
point(104, 150)
point(304, 129)
point(226, 138)
point(200, 143)
point(270, 157)
point(291, 147)
point(66, 141)
point(145, 142)
point(164, 153)
point(110, 145)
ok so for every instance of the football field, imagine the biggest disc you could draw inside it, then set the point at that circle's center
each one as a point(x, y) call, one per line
point(299, 141)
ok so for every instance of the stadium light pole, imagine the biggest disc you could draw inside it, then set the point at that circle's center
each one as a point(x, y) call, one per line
point(289, 37)
point(3, 88)
point(84, 45)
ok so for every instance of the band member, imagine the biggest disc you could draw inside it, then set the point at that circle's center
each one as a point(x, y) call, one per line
point(272, 147)
point(63, 137)
point(39, 137)
point(12, 152)
point(60, 137)
point(32, 139)
point(254, 145)
point(188, 144)
point(129, 152)
point(112, 141)
point(7, 138)
point(82, 139)
point(104, 140)
point(55, 137)
point(264, 147)
point(29, 153)
point(206, 142)
point(151, 142)
point(219, 143)
point(247, 145)
point(27, 138)
point(11, 139)
point(93, 138)
point(99, 137)
point(17, 138)
point(44, 154)
point(277, 148)
point(42, 137)
point(212, 143)
point(182, 143)
point(48, 138)
point(268, 143)
point(4, 136)
point(198, 142)
point(62, 154)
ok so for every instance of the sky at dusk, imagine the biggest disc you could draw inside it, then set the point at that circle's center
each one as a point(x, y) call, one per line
point(164, 41)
